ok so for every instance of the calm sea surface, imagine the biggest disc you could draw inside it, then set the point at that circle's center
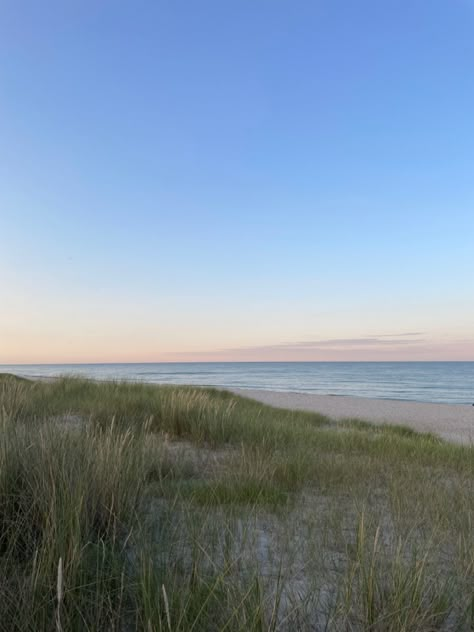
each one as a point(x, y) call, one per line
point(448, 382)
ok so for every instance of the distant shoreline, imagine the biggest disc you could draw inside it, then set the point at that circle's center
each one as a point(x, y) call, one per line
point(431, 382)
point(451, 422)
point(238, 390)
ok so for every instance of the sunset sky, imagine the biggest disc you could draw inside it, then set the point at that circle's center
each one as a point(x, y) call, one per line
point(236, 180)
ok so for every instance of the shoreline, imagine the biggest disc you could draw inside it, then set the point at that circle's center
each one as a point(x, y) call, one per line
point(237, 389)
point(451, 422)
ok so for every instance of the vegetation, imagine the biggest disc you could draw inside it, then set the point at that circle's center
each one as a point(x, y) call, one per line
point(135, 507)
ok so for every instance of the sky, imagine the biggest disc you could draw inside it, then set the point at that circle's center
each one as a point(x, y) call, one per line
point(238, 180)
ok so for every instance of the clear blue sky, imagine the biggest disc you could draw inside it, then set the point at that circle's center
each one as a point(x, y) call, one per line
point(235, 179)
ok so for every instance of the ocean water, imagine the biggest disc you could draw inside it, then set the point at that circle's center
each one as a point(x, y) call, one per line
point(443, 382)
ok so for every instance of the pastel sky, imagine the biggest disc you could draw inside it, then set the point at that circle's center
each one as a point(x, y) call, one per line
point(236, 180)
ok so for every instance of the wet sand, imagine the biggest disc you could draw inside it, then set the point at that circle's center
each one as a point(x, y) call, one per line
point(451, 422)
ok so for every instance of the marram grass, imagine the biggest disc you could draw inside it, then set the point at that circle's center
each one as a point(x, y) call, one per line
point(134, 507)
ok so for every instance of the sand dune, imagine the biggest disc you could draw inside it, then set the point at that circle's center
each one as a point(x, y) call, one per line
point(451, 422)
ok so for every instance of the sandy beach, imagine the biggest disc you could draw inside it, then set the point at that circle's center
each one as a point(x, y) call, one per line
point(451, 422)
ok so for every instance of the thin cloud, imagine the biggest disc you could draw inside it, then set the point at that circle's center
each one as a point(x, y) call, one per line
point(404, 335)
point(383, 347)
point(384, 340)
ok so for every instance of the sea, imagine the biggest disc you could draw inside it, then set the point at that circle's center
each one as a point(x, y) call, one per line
point(439, 382)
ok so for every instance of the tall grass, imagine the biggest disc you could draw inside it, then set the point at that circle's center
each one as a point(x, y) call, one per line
point(134, 507)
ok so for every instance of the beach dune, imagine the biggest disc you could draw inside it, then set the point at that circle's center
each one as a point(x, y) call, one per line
point(452, 422)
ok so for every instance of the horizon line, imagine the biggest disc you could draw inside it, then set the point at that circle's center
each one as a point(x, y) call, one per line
point(6, 364)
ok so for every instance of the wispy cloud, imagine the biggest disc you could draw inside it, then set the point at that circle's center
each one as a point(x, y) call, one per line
point(367, 347)
point(381, 347)
point(404, 335)
point(383, 340)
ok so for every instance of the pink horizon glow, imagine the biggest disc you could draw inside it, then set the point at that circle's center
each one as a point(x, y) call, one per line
point(460, 350)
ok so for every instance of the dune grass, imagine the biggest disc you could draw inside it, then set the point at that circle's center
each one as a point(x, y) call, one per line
point(135, 507)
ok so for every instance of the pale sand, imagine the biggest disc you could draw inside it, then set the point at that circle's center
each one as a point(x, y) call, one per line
point(451, 422)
